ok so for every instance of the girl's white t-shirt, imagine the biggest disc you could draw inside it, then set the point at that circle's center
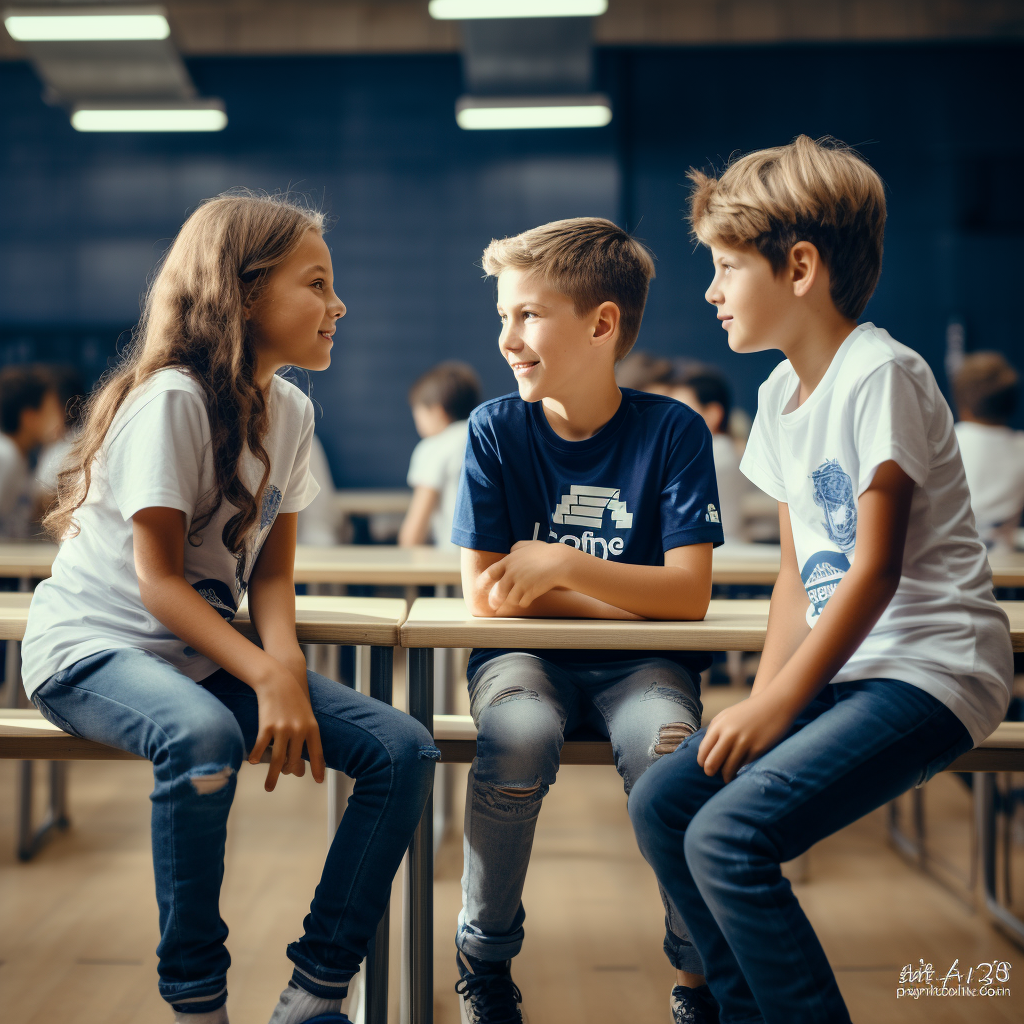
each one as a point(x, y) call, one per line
point(943, 630)
point(157, 452)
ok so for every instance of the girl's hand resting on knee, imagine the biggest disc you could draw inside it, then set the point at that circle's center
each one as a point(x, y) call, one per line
point(742, 733)
point(286, 718)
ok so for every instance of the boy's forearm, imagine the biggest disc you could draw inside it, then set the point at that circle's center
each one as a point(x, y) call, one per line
point(850, 615)
point(563, 604)
point(787, 627)
point(648, 591)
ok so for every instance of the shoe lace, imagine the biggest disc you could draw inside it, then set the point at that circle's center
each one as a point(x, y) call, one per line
point(495, 998)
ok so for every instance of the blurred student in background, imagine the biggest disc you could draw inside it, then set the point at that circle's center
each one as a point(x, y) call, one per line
point(985, 390)
point(643, 372)
point(318, 521)
point(706, 391)
point(67, 383)
point(441, 401)
point(30, 416)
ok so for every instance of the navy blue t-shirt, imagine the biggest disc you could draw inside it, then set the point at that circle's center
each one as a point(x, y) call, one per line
point(642, 485)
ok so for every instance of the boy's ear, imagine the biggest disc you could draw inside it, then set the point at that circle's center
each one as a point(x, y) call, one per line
point(805, 266)
point(606, 323)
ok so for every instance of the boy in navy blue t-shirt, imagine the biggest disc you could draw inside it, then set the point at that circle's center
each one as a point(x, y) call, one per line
point(577, 499)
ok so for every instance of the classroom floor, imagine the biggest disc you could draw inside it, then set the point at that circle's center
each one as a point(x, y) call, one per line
point(78, 924)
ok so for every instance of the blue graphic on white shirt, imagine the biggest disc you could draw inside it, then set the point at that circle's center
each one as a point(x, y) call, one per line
point(822, 573)
point(833, 492)
point(246, 558)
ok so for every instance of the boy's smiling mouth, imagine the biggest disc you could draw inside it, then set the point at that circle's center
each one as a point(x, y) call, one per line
point(521, 369)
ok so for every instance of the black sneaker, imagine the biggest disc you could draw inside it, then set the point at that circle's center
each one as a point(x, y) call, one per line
point(693, 1005)
point(489, 996)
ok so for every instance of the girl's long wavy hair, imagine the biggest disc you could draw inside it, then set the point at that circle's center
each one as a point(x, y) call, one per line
point(194, 318)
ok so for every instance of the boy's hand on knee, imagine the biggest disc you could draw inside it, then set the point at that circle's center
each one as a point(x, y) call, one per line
point(286, 719)
point(742, 733)
point(530, 570)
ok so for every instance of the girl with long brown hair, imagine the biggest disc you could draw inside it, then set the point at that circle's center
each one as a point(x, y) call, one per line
point(179, 498)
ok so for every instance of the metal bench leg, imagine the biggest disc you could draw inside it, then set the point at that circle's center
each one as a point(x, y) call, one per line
point(421, 857)
point(985, 809)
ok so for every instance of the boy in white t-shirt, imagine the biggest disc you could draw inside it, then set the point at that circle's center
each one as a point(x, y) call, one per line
point(441, 401)
point(985, 389)
point(706, 391)
point(886, 655)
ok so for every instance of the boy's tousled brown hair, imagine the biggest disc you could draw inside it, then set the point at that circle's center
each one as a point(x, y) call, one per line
point(589, 259)
point(452, 385)
point(819, 192)
point(194, 319)
point(986, 387)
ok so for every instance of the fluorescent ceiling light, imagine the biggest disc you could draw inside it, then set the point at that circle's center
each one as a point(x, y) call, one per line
point(471, 10)
point(149, 119)
point(476, 113)
point(94, 25)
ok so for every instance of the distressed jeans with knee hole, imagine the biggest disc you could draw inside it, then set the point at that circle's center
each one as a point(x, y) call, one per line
point(523, 706)
point(197, 735)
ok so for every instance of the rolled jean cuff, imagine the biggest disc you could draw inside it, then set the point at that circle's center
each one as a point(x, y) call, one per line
point(682, 955)
point(323, 982)
point(489, 949)
point(201, 1002)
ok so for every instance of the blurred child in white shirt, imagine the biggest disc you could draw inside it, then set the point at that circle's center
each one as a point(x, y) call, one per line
point(985, 390)
point(441, 401)
point(706, 391)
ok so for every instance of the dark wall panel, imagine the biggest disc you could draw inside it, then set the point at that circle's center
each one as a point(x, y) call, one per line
point(414, 200)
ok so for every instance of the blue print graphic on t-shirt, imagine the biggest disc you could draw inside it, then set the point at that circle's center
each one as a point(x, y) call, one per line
point(271, 503)
point(822, 573)
point(833, 492)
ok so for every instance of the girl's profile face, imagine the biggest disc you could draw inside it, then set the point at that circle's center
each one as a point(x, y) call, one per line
point(295, 315)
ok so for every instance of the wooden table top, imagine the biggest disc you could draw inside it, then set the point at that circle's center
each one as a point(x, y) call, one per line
point(367, 501)
point(318, 620)
point(377, 564)
point(387, 565)
point(728, 626)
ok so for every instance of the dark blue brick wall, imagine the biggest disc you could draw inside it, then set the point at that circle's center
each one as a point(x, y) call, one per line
point(84, 218)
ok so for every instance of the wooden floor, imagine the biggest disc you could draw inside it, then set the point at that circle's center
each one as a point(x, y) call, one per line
point(78, 924)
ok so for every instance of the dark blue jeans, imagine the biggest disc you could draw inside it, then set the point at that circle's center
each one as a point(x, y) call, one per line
point(197, 735)
point(717, 848)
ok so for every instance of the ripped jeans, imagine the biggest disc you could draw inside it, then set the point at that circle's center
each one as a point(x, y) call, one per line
point(523, 706)
point(717, 847)
point(197, 735)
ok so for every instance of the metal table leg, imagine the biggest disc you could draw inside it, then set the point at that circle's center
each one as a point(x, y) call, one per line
point(376, 993)
point(421, 857)
point(985, 810)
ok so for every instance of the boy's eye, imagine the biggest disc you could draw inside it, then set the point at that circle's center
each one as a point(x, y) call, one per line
point(318, 284)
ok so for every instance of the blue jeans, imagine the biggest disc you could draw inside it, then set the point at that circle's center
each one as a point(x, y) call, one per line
point(523, 706)
point(196, 735)
point(717, 847)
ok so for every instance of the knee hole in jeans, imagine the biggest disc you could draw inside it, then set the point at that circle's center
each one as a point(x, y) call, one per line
point(209, 779)
point(670, 736)
point(513, 693)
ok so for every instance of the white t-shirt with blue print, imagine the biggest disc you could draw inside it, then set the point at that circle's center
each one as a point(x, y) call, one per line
point(943, 630)
point(157, 453)
point(642, 485)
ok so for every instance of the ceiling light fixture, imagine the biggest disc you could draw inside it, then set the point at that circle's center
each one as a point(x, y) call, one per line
point(472, 10)
point(476, 113)
point(86, 24)
point(176, 117)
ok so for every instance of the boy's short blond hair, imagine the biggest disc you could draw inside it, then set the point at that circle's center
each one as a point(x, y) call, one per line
point(986, 386)
point(818, 192)
point(589, 259)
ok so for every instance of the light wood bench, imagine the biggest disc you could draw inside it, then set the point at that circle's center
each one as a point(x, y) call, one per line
point(363, 622)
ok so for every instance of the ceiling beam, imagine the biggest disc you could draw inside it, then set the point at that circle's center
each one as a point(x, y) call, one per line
point(240, 27)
